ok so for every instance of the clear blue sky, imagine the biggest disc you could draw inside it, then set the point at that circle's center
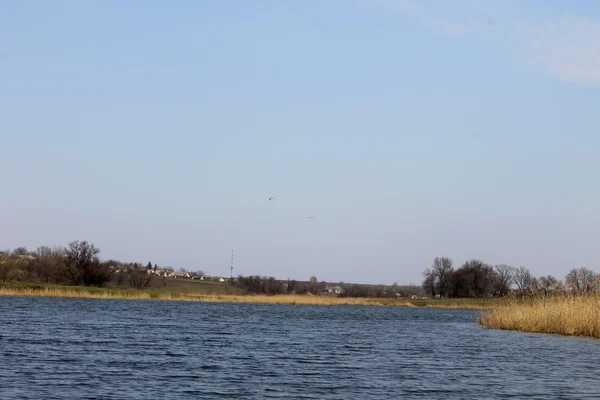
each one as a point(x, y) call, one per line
point(409, 129)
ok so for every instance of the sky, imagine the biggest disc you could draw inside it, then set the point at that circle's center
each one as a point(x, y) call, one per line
point(408, 129)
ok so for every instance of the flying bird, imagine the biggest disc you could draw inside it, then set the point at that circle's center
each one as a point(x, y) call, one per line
point(271, 198)
point(312, 216)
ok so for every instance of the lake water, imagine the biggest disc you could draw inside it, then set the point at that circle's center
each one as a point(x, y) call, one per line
point(113, 349)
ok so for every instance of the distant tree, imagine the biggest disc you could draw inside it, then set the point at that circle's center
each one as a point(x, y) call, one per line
point(442, 270)
point(15, 274)
point(149, 266)
point(548, 284)
point(580, 280)
point(272, 286)
point(429, 284)
point(120, 277)
point(83, 265)
point(291, 286)
point(321, 286)
point(7, 264)
point(473, 279)
point(155, 267)
point(505, 275)
point(523, 280)
point(51, 264)
point(313, 284)
point(411, 290)
point(20, 251)
point(250, 284)
point(299, 288)
point(355, 291)
point(138, 277)
point(536, 287)
point(259, 285)
point(379, 291)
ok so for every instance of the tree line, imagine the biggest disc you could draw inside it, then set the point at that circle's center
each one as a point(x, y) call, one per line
point(79, 263)
point(475, 278)
point(76, 264)
point(256, 284)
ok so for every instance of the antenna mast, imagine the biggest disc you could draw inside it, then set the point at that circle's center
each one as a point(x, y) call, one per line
point(231, 281)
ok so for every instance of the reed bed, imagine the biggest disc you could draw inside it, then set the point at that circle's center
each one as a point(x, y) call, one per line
point(95, 293)
point(564, 315)
point(41, 290)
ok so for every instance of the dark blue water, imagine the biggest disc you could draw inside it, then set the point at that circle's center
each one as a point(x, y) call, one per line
point(108, 349)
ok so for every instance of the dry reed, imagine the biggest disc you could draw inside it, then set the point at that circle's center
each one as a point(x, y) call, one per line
point(563, 315)
point(69, 292)
point(168, 295)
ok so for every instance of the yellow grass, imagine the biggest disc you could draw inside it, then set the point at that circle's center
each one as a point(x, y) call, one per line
point(563, 315)
point(74, 292)
point(186, 294)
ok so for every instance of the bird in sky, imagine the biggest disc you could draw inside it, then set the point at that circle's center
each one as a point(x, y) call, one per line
point(271, 198)
point(312, 216)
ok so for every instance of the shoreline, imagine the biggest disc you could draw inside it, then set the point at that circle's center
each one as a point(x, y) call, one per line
point(285, 299)
point(577, 315)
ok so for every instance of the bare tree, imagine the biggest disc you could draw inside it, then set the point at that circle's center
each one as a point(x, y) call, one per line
point(198, 273)
point(395, 288)
point(51, 264)
point(299, 288)
point(83, 265)
point(548, 284)
point(313, 285)
point(580, 280)
point(505, 275)
point(429, 282)
point(442, 270)
point(523, 280)
point(19, 251)
point(138, 277)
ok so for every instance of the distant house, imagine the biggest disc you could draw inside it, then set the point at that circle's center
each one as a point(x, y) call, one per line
point(221, 280)
point(163, 273)
point(181, 275)
point(333, 290)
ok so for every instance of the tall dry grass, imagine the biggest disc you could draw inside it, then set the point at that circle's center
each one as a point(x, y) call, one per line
point(40, 290)
point(563, 315)
point(95, 293)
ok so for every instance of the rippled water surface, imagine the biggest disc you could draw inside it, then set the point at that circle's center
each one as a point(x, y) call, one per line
point(112, 349)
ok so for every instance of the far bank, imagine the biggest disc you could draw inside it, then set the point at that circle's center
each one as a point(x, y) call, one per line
point(174, 294)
